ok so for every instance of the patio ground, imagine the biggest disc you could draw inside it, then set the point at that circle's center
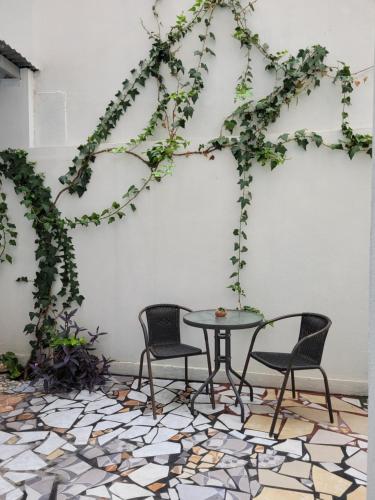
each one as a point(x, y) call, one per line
point(107, 445)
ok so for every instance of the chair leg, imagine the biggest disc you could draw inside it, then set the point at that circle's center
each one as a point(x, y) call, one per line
point(140, 369)
point(244, 377)
point(293, 384)
point(151, 382)
point(279, 401)
point(209, 366)
point(328, 395)
point(186, 373)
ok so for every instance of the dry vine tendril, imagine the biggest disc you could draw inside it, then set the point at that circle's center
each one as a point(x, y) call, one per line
point(243, 133)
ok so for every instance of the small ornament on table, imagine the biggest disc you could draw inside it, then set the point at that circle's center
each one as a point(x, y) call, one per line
point(220, 312)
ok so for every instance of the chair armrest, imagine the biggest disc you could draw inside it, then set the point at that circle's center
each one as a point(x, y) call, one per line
point(268, 322)
point(310, 336)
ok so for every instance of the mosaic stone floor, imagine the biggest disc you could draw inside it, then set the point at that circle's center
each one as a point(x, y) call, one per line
point(107, 445)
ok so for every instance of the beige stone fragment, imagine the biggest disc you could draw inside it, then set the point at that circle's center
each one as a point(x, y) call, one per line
point(260, 409)
point(156, 486)
point(213, 457)
point(198, 450)
point(328, 437)
point(267, 477)
point(324, 496)
point(127, 472)
point(291, 402)
point(326, 482)
point(296, 468)
point(177, 469)
point(325, 453)
point(195, 458)
point(261, 423)
point(294, 427)
point(314, 398)
point(55, 454)
point(356, 423)
point(277, 494)
point(205, 466)
point(270, 396)
point(319, 416)
point(340, 405)
point(358, 494)
point(211, 432)
point(289, 395)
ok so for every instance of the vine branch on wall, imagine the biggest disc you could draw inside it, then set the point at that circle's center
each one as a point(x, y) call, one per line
point(243, 132)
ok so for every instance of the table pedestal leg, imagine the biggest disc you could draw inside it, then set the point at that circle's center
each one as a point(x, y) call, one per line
point(219, 359)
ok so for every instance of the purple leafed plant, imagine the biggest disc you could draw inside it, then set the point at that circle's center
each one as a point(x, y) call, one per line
point(69, 361)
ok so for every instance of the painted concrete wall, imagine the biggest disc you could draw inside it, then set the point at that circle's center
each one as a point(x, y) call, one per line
point(371, 345)
point(310, 220)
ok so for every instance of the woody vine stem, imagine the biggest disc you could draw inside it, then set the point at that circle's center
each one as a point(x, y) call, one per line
point(243, 132)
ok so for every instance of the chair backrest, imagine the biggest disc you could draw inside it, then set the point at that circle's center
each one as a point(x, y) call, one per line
point(163, 323)
point(313, 323)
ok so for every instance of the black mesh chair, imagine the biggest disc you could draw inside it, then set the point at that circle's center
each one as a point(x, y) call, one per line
point(306, 355)
point(163, 341)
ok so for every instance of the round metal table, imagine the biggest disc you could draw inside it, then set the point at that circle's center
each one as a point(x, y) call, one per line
point(234, 320)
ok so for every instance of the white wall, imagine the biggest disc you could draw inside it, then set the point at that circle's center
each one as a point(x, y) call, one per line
point(371, 345)
point(309, 223)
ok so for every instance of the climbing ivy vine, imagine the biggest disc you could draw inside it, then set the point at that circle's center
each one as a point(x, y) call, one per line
point(243, 132)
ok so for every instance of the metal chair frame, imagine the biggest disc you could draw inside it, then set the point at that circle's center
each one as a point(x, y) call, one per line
point(290, 370)
point(150, 359)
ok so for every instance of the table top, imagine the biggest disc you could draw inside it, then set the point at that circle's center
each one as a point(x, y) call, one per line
point(234, 320)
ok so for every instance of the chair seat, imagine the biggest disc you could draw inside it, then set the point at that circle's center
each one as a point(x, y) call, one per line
point(174, 350)
point(280, 360)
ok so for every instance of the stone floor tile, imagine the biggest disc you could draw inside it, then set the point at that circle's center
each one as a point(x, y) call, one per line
point(171, 420)
point(296, 468)
point(88, 419)
point(358, 461)
point(28, 460)
point(164, 396)
point(149, 474)
point(270, 395)
point(318, 416)
point(187, 492)
point(231, 421)
point(262, 423)
point(166, 448)
point(340, 405)
point(292, 446)
point(31, 436)
point(326, 482)
point(359, 493)
point(16, 494)
point(50, 444)
point(62, 419)
point(356, 423)
point(127, 491)
point(323, 436)
point(11, 450)
point(134, 432)
point(207, 456)
point(269, 478)
point(81, 434)
point(277, 494)
point(5, 486)
point(100, 491)
point(293, 427)
point(324, 453)
point(314, 398)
